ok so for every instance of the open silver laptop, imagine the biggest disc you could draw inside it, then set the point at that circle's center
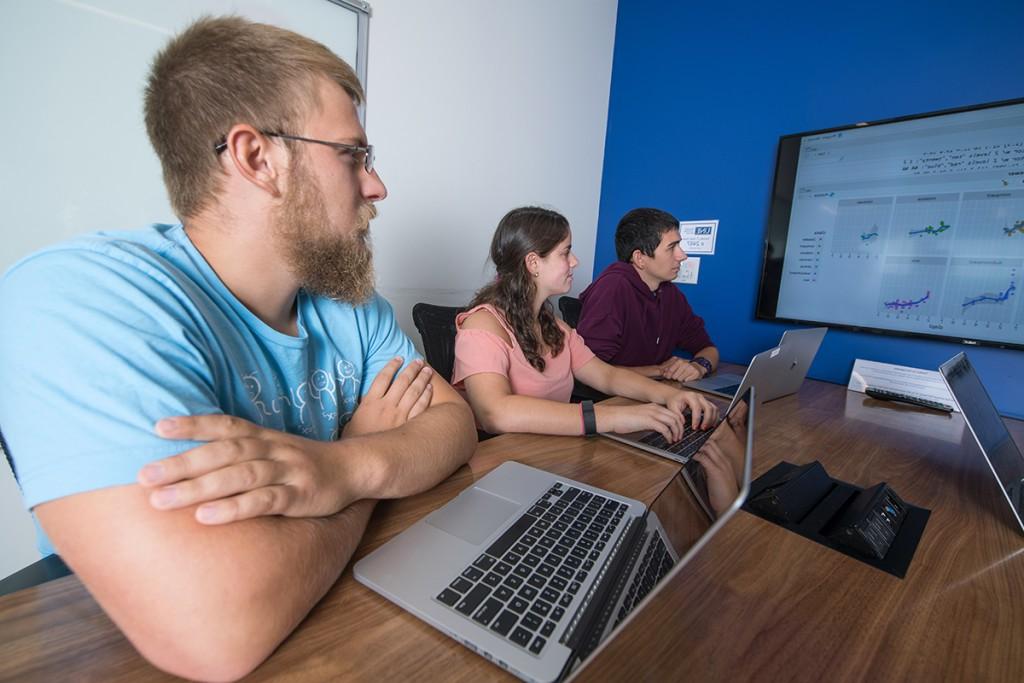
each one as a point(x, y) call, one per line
point(688, 445)
point(776, 372)
point(997, 446)
point(535, 571)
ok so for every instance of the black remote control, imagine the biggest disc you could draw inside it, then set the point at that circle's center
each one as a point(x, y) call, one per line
point(886, 395)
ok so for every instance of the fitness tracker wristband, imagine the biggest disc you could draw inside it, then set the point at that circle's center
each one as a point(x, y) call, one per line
point(589, 419)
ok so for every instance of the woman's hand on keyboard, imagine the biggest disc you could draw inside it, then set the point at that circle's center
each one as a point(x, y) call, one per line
point(703, 413)
point(625, 419)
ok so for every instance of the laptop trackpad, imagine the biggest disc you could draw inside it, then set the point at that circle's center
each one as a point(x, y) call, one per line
point(473, 515)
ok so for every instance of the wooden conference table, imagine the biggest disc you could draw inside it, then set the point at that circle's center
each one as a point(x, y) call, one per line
point(757, 602)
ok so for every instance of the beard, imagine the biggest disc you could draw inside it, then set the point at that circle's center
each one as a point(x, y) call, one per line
point(339, 267)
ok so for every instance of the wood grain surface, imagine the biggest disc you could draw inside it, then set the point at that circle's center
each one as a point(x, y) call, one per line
point(762, 603)
point(757, 602)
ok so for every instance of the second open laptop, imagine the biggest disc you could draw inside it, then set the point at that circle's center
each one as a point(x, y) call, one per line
point(1003, 456)
point(536, 572)
point(776, 372)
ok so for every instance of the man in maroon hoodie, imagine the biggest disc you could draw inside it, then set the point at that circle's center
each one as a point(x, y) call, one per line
point(634, 316)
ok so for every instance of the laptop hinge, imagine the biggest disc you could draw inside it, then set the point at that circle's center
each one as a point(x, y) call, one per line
point(592, 616)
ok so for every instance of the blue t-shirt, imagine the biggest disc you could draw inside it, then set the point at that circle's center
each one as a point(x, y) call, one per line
point(108, 333)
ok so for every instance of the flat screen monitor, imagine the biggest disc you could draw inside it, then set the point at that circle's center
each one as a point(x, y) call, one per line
point(908, 226)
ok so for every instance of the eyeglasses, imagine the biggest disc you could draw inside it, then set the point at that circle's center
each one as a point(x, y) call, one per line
point(361, 153)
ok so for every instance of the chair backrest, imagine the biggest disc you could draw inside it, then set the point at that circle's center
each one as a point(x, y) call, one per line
point(570, 307)
point(436, 325)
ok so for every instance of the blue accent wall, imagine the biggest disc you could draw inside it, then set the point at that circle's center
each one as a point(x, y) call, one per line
point(701, 93)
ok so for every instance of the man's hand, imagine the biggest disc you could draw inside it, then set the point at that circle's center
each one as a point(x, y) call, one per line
point(248, 471)
point(245, 471)
point(393, 401)
point(680, 370)
point(703, 413)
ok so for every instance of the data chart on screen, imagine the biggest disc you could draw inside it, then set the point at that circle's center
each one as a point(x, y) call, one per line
point(913, 226)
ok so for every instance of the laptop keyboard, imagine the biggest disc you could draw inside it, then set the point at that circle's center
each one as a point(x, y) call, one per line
point(731, 389)
point(521, 586)
point(656, 563)
point(691, 442)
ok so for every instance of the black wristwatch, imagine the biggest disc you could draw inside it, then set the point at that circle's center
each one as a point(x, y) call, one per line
point(704, 363)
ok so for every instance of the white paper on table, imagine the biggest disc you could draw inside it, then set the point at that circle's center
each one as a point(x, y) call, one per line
point(899, 378)
point(698, 237)
point(688, 271)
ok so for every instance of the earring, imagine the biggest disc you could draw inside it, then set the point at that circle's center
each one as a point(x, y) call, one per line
point(536, 274)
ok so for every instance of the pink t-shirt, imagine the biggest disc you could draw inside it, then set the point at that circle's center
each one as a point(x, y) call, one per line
point(479, 351)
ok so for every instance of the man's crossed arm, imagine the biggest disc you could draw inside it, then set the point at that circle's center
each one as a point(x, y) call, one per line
point(207, 599)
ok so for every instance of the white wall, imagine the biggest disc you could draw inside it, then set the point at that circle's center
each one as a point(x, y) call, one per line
point(475, 107)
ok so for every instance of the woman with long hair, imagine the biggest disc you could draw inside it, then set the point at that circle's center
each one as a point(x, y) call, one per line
point(516, 361)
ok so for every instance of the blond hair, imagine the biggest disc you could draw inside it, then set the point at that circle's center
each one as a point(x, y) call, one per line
point(221, 71)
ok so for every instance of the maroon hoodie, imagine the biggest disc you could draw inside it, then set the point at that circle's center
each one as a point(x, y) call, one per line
point(624, 323)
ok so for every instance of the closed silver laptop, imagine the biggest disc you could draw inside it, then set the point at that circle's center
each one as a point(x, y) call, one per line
point(535, 571)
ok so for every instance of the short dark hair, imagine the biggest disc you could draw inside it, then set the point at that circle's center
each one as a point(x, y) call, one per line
point(642, 229)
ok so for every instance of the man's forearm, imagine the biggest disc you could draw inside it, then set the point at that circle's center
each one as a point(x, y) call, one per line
point(206, 603)
point(413, 457)
point(298, 561)
point(649, 371)
point(252, 591)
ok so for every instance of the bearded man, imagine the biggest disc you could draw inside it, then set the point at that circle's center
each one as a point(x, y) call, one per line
point(201, 415)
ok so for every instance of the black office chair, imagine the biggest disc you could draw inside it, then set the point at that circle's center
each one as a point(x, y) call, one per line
point(585, 392)
point(436, 325)
point(570, 307)
point(47, 569)
point(7, 453)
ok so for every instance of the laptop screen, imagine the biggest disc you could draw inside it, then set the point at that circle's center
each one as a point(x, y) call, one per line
point(1003, 456)
point(712, 485)
point(691, 509)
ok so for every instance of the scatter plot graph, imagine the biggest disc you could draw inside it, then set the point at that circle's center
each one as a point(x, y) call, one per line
point(1017, 229)
point(924, 224)
point(990, 297)
point(901, 305)
point(982, 291)
point(931, 229)
point(991, 224)
point(860, 226)
point(910, 287)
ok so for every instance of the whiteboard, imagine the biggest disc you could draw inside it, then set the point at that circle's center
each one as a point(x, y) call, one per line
point(76, 157)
